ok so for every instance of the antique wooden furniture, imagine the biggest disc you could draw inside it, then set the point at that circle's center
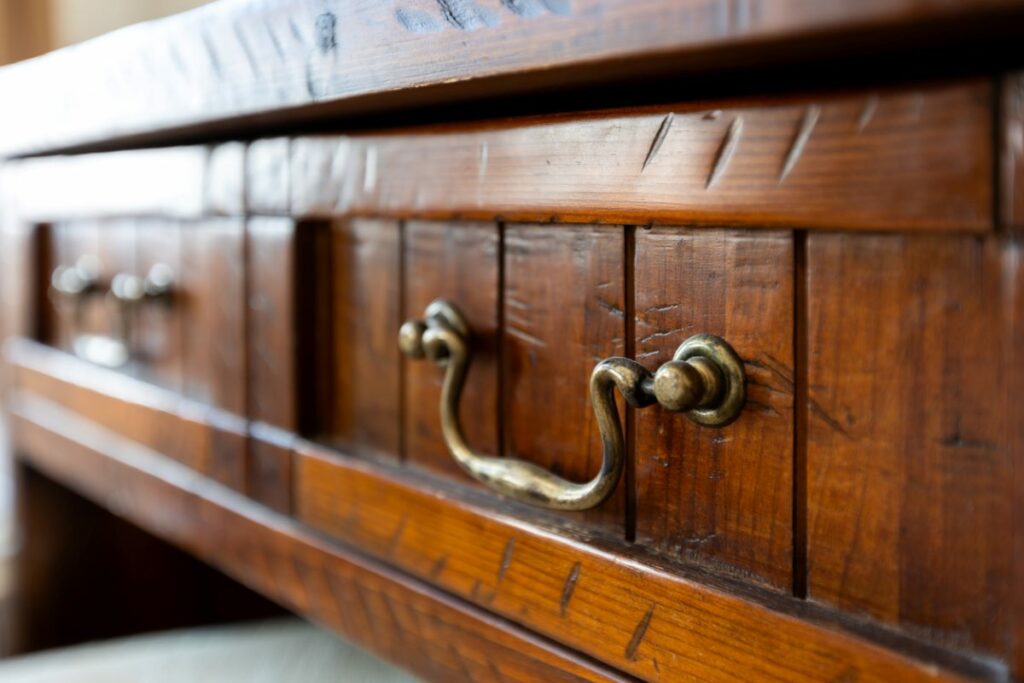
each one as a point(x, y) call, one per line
point(724, 302)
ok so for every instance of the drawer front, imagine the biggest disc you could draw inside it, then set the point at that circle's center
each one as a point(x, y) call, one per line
point(876, 435)
point(192, 341)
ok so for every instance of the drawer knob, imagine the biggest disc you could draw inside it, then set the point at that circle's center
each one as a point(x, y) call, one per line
point(705, 380)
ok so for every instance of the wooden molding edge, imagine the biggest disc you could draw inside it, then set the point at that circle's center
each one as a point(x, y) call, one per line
point(400, 619)
point(646, 620)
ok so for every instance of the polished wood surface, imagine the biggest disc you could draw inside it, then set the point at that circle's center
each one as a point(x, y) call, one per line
point(832, 187)
point(615, 603)
point(564, 312)
point(459, 262)
point(911, 159)
point(288, 61)
point(366, 284)
point(911, 359)
point(719, 495)
point(400, 619)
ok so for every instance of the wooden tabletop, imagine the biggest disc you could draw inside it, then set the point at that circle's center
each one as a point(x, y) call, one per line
point(242, 67)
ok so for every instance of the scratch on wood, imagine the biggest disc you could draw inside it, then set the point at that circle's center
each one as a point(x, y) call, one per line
point(438, 567)
point(526, 337)
point(659, 140)
point(816, 408)
point(397, 535)
point(462, 14)
point(867, 113)
point(807, 124)
point(278, 49)
point(611, 308)
point(466, 673)
point(211, 52)
point(569, 587)
point(296, 32)
point(638, 634)
point(725, 151)
point(506, 558)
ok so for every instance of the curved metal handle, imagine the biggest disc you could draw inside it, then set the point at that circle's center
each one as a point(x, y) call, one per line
point(705, 379)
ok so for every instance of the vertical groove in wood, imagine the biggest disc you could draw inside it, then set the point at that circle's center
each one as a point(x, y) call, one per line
point(403, 363)
point(500, 346)
point(800, 414)
point(629, 431)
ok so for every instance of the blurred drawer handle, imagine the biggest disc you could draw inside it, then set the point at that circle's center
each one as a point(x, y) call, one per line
point(705, 380)
point(76, 284)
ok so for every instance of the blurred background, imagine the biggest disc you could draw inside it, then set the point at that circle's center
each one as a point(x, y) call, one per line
point(28, 28)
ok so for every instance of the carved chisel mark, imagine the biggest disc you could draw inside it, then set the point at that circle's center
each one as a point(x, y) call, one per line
point(438, 567)
point(397, 535)
point(278, 48)
point(638, 634)
point(416, 21)
point(725, 151)
point(569, 587)
point(296, 31)
point(659, 139)
point(807, 124)
point(867, 113)
point(506, 558)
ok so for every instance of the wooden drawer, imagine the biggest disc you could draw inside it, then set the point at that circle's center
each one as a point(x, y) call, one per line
point(827, 528)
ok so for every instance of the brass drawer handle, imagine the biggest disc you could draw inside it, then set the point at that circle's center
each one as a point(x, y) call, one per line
point(75, 284)
point(705, 380)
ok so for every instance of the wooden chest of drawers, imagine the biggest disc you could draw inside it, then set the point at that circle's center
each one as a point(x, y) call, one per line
point(740, 374)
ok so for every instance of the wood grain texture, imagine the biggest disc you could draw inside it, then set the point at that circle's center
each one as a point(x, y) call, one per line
point(912, 433)
point(564, 301)
point(272, 321)
point(213, 301)
point(723, 496)
point(910, 159)
point(158, 336)
point(589, 596)
point(278, 58)
point(459, 262)
point(435, 636)
point(366, 362)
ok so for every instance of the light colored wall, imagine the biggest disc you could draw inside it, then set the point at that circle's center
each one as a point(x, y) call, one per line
point(76, 20)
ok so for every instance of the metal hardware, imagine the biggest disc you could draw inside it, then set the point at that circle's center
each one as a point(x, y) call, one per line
point(705, 380)
point(75, 284)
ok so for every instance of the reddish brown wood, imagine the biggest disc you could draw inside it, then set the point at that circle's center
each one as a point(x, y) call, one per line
point(158, 335)
point(458, 262)
point(366, 292)
point(272, 317)
point(719, 495)
point(605, 600)
point(564, 301)
point(270, 467)
point(436, 636)
point(911, 500)
point(265, 60)
point(877, 160)
point(213, 300)
point(1011, 152)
